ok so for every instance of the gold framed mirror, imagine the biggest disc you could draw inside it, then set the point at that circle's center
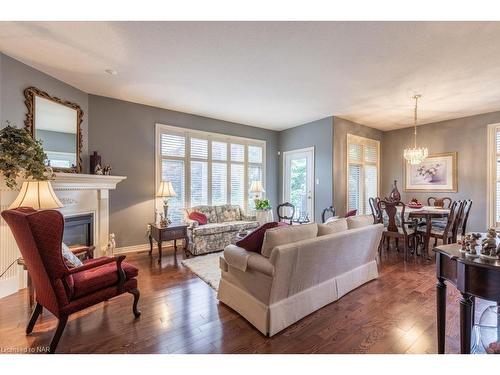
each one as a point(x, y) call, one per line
point(57, 123)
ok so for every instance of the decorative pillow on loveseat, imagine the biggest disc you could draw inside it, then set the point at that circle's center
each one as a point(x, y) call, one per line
point(332, 226)
point(253, 241)
point(291, 233)
point(199, 217)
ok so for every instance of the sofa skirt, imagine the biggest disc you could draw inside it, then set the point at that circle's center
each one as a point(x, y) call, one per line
point(272, 319)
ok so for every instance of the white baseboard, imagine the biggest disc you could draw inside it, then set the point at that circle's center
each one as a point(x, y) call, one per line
point(9, 286)
point(132, 249)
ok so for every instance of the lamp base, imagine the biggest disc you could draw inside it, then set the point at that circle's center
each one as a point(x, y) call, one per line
point(165, 221)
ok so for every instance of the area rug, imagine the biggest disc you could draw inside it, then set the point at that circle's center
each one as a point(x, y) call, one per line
point(206, 267)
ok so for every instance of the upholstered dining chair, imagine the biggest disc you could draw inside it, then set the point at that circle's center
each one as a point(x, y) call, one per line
point(405, 231)
point(281, 210)
point(62, 290)
point(444, 202)
point(448, 233)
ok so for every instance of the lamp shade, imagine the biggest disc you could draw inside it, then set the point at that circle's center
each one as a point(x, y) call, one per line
point(166, 190)
point(38, 195)
point(256, 187)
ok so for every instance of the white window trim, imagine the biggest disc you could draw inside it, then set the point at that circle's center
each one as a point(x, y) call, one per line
point(351, 138)
point(491, 176)
point(188, 133)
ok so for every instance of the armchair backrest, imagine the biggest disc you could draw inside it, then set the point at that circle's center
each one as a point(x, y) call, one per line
point(38, 235)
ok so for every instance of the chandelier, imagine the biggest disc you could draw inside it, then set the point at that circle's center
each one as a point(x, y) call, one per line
point(416, 155)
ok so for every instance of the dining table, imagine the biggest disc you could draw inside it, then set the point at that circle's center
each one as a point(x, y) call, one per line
point(428, 213)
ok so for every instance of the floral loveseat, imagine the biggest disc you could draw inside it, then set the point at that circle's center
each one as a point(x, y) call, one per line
point(223, 223)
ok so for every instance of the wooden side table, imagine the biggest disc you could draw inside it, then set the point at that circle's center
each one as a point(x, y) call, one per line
point(173, 232)
point(473, 277)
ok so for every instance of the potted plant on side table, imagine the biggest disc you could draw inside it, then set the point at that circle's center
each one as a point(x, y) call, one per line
point(263, 211)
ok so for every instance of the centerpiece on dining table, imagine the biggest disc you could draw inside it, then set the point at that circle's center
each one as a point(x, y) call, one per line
point(414, 203)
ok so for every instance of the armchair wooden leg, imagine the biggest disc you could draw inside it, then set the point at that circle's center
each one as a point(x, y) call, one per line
point(136, 294)
point(34, 317)
point(57, 336)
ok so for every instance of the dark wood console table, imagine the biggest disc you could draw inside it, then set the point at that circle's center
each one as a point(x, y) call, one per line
point(173, 232)
point(473, 277)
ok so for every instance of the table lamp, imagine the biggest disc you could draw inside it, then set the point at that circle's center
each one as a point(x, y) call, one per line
point(38, 195)
point(165, 191)
point(257, 188)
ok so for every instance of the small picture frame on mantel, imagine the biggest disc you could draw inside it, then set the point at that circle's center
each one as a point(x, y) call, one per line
point(437, 173)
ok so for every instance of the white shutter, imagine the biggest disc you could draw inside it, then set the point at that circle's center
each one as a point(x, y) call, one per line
point(254, 154)
point(237, 152)
point(219, 183)
point(362, 172)
point(238, 184)
point(199, 183)
point(199, 148)
point(173, 170)
point(354, 177)
point(219, 150)
point(497, 196)
point(173, 145)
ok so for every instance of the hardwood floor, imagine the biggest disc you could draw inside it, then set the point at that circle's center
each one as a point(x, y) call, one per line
point(180, 314)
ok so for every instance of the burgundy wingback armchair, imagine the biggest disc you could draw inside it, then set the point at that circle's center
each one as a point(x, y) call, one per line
point(60, 289)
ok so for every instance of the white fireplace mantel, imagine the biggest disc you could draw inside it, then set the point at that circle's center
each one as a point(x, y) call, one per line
point(80, 194)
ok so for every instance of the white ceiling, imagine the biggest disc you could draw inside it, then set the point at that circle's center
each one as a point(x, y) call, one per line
point(275, 75)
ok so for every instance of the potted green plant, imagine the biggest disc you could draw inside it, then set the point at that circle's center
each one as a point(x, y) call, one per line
point(263, 213)
point(21, 156)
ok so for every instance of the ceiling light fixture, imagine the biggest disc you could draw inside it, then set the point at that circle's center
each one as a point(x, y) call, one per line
point(111, 72)
point(416, 155)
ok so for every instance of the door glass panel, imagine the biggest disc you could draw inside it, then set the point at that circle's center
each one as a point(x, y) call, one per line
point(298, 187)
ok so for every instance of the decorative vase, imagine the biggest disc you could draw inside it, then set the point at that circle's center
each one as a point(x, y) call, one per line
point(395, 195)
point(489, 330)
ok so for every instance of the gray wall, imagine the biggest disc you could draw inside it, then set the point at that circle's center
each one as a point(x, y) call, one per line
point(124, 134)
point(341, 128)
point(320, 135)
point(16, 76)
point(467, 136)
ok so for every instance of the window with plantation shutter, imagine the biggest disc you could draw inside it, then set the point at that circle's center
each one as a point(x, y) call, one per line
point(207, 168)
point(493, 190)
point(363, 165)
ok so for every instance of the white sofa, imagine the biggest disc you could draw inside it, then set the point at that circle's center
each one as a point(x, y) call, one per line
point(292, 280)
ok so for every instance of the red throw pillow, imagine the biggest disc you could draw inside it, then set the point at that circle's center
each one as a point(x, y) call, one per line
point(253, 241)
point(351, 213)
point(199, 217)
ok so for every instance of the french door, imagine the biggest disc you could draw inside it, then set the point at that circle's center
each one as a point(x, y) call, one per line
point(298, 182)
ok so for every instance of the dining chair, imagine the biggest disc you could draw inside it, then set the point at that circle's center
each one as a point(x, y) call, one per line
point(406, 231)
point(466, 210)
point(281, 211)
point(448, 233)
point(377, 215)
point(444, 202)
point(327, 210)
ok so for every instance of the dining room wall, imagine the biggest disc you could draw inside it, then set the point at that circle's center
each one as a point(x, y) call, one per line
point(468, 137)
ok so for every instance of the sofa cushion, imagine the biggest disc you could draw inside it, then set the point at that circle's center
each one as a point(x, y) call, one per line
point(253, 241)
point(228, 212)
point(288, 234)
point(98, 278)
point(208, 211)
point(241, 225)
point(211, 228)
point(333, 226)
point(199, 217)
point(359, 221)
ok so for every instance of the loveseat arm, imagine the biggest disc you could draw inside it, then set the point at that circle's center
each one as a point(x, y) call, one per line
point(191, 223)
point(244, 260)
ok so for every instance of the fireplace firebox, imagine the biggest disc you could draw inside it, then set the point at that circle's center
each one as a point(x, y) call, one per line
point(79, 230)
